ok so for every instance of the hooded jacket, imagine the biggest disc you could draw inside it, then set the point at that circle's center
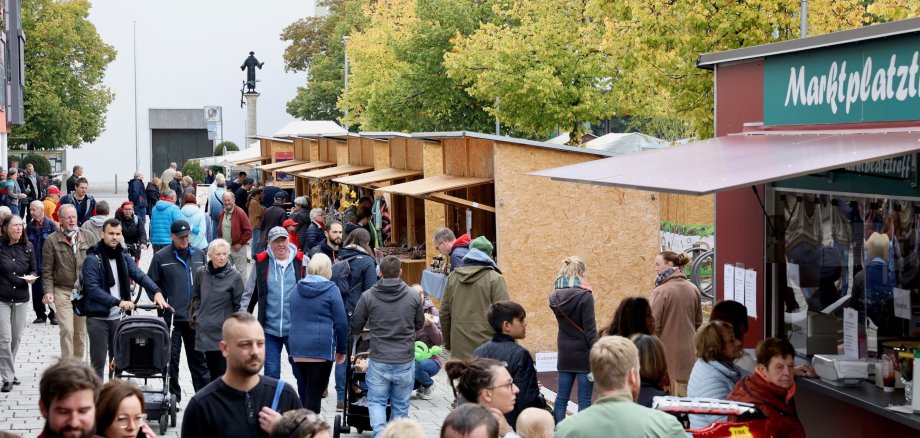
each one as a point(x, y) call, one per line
point(469, 292)
point(573, 306)
point(196, 220)
point(215, 295)
point(711, 379)
point(774, 401)
point(176, 276)
point(164, 213)
point(363, 275)
point(274, 283)
point(678, 310)
point(17, 260)
point(319, 325)
point(323, 247)
point(392, 311)
point(93, 227)
point(459, 250)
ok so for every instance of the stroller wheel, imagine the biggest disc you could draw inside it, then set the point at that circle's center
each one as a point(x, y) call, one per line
point(337, 426)
point(172, 410)
point(163, 423)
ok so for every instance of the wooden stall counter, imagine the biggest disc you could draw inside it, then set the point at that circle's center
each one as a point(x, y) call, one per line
point(412, 270)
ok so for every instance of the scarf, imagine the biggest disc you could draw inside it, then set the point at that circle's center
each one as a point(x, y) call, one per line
point(574, 281)
point(108, 253)
point(214, 271)
point(664, 275)
point(789, 392)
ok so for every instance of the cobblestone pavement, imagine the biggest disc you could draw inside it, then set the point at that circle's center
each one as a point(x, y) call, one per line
point(40, 347)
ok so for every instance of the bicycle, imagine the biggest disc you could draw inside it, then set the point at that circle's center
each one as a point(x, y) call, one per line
point(135, 250)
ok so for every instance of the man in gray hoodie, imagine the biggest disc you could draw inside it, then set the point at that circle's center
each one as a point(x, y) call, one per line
point(94, 225)
point(393, 312)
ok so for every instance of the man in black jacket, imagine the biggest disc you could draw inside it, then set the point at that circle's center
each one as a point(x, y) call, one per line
point(330, 245)
point(507, 319)
point(72, 181)
point(273, 217)
point(108, 291)
point(173, 268)
point(242, 195)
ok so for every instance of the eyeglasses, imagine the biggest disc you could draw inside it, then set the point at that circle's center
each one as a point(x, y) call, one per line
point(506, 385)
point(137, 420)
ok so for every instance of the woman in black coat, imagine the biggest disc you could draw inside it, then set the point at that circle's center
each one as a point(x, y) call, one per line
point(153, 194)
point(572, 302)
point(18, 271)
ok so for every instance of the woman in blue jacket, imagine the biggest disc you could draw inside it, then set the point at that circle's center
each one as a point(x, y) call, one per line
point(714, 374)
point(318, 326)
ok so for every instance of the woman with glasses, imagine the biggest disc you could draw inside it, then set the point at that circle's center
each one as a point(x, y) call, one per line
point(300, 423)
point(120, 411)
point(486, 382)
point(18, 272)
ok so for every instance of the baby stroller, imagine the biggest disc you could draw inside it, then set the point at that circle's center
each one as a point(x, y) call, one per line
point(355, 413)
point(744, 419)
point(142, 347)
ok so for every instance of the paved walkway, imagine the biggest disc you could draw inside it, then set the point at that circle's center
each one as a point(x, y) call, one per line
point(40, 348)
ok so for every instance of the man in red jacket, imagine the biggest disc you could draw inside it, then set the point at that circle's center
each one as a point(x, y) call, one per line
point(233, 226)
point(772, 387)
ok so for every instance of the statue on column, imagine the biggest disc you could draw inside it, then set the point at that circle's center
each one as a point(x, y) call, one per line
point(250, 65)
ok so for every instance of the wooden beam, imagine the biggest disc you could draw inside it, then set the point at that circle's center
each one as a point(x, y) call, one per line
point(410, 221)
point(447, 199)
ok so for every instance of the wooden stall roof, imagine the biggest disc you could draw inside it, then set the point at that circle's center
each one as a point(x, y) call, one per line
point(434, 188)
point(335, 171)
point(437, 136)
point(371, 179)
point(265, 137)
point(305, 166)
point(279, 165)
point(250, 160)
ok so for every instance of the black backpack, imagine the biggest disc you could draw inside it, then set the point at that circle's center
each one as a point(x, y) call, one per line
point(341, 274)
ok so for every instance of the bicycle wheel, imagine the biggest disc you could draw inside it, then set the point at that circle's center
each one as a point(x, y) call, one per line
point(136, 293)
point(701, 273)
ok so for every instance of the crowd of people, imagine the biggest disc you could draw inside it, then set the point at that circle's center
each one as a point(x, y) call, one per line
point(241, 278)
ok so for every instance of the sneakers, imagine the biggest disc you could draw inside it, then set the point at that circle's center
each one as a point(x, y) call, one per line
point(424, 393)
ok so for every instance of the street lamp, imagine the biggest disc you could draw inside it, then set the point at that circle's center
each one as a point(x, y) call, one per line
point(345, 51)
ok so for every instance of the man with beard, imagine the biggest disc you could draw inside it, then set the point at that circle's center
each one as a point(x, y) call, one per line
point(241, 402)
point(107, 272)
point(329, 245)
point(67, 399)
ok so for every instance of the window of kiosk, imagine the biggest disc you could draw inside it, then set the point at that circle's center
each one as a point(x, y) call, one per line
point(837, 252)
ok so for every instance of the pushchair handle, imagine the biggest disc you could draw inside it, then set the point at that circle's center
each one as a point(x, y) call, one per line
point(145, 306)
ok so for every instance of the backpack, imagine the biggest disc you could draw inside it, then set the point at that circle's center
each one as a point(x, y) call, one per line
point(341, 274)
point(82, 305)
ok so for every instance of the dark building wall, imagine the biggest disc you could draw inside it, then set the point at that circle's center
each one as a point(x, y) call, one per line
point(178, 145)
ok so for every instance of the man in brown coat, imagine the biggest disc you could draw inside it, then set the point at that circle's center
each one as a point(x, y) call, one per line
point(62, 261)
point(469, 294)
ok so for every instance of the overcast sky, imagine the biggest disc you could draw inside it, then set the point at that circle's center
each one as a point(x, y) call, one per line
point(188, 55)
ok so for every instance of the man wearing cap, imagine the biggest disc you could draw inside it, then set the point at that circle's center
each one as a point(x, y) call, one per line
point(275, 215)
point(272, 281)
point(233, 226)
point(173, 268)
point(51, 202)
point(291, 227)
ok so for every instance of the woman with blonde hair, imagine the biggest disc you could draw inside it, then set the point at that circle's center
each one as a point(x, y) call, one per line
point(216, 293)
point(572, 302)
point(714, 372)
point(317, 322)
point(677, 308)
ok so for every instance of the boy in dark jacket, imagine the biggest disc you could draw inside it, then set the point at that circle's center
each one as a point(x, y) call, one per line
point(507, 319)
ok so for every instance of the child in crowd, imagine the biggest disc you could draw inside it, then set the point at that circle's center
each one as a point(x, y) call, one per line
point(535, 423)
point(430, 334)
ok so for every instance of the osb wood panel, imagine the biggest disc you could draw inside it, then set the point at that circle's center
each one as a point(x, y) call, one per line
point(456, 158)
point(265, 147)
point(481, 158)
point(300, 150)
point(314, 150)
point(367, 150)
point(432, 165)
point(686, 209)
point(354, 150)
point(540, 221)
point(433, 159)
point(397, 153)
point(382, 155)
point(414, 159)
point(342, 153)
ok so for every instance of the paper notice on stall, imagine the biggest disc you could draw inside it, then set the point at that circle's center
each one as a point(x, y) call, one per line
point(792, 275)
point(739, 284)
point(546, 361)
point(750, 292)
point(728, 283)
point(902, 303)
point(851, 333)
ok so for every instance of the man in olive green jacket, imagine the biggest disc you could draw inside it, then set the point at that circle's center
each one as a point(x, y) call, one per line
point(615, 366)
point(469, 293)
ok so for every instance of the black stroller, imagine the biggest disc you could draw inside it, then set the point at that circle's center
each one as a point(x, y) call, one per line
point(142, 347)
point(355, 413)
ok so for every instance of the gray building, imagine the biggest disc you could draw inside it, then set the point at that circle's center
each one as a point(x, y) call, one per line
point(178, 134)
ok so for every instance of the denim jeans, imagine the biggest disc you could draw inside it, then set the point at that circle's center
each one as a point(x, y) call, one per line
point(424, 371)
point(273, 346)
point(141, 213)
point(566, 381)
point(256, 242)
point(388, 381)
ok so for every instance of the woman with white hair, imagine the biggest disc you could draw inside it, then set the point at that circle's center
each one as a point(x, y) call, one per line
point(317, 322)
point(216, 293)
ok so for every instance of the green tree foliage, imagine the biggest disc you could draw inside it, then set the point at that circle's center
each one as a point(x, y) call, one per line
point(193, 170)
point(42, 165)
point(65, 61)
point(225, 146)
point(545, 62)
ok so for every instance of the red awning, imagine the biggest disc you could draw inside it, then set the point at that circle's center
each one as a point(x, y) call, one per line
point(741, 160)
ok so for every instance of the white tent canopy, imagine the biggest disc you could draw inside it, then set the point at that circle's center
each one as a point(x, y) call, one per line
point(252, 151)
point(309, 127)
point(626, 143)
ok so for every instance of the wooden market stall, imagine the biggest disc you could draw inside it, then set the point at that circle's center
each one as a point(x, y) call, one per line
point(280, 154)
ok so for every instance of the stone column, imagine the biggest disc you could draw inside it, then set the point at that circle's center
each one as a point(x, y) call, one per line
point(251, 117)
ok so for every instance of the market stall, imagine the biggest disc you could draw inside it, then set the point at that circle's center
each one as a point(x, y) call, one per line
point(279, 153)
point(817, 205)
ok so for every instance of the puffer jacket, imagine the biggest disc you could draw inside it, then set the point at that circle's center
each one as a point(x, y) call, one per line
point(503, 348)
point(712, 379)
point(216, 293)
point(197, 221)
point(274, 285)
point(314, 235)
point(363, 275)
point(98, 298)
point(469, 292)
point(165, 212)
point(574, 310)
point(319, 325)
point(17, 260)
